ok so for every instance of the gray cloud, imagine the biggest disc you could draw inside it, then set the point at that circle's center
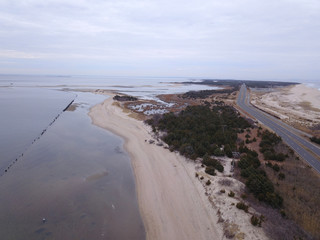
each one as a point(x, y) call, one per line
point(236, 38)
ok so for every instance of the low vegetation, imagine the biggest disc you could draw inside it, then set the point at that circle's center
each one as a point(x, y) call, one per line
point(257, 180)
point(268, 141)
point(206, 93)
point(315, 140)
point(200, 130)
point(231, 194)
point(238, 83)
point(256, 221)
point(242, 206)
point(272, 172)
point(291, 178)
point(213, 163)
point(124, 98)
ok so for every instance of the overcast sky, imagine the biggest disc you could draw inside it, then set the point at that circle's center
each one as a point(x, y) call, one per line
point(242, 39)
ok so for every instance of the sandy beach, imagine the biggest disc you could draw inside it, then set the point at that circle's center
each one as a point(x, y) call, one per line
point(297, 105)
point(174, 204)
point(170, 204)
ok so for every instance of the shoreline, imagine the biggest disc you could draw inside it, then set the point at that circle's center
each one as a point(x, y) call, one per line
point(171, 203)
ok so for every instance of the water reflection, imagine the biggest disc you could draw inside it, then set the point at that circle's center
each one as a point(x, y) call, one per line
point(78, 178)
point(25, 114)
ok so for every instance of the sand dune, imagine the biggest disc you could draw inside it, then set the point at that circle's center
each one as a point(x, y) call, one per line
point(297, 105)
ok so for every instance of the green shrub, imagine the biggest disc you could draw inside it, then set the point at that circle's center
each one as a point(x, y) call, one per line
point(315, 140)
point(276, 167)
point(256, 221)
point(269, 164)
point(281, 176)
point(274, 199)
point(210, 170)
point(231, 194)
point(242, 206)
point(218, 152)
point(248, 160)
point(259, 185)
point(208, 161)
point(243, 196)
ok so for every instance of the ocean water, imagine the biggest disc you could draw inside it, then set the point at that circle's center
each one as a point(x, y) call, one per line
point(143, 87)
point(56, 165)
point(313, 84)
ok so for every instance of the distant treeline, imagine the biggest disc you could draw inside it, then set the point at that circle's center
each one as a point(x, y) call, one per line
point(233, 84)
point(206, 93)
point(238, 83)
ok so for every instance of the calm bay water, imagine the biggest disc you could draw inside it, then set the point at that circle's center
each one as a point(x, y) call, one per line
point(78, 178)
point(25, 113)
point(58, 166)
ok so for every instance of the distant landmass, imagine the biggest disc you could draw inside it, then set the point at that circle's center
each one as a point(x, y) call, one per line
point(237, 83)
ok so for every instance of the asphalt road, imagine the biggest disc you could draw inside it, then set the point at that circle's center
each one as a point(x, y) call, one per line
point(307, 150)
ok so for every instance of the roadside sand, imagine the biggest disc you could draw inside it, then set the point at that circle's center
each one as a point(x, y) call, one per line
point(297, 105)
point(174, 204)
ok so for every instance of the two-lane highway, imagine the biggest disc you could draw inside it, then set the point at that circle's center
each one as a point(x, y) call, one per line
point(308, 151)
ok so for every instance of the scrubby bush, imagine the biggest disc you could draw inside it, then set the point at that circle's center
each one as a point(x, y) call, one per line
point(256, 221)
point(208, 161)
point(250, 159)
point(315, 140)
point(210, 170)
point(231, 194)
point(268, 142)
point(257, 180)
point(269, 164)
point(243, 196)
point(274, 199)
point(242, 206)
point(276, 167)
point(281, 176)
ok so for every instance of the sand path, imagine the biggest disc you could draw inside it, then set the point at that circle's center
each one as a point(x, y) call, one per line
point(170, 202)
